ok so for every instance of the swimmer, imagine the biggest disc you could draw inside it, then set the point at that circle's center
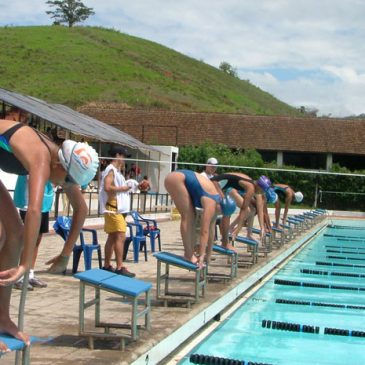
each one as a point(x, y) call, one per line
point(285, 194)
point(240, 184)
point(190, 190)
point(25, 151)
point(251, 214)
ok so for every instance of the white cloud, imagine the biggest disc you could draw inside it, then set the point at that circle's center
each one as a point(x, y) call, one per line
point(325, 36)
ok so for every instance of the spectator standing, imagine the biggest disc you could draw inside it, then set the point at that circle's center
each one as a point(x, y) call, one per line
point(210, 168)
point(115, 203)
point(144, 186)
point(134, 172)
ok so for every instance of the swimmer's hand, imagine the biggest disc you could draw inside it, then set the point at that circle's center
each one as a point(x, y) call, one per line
point(11, 276)
point(58, 264)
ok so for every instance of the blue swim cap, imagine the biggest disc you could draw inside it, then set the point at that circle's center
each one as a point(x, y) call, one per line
point(271, 196)
point(228, 205)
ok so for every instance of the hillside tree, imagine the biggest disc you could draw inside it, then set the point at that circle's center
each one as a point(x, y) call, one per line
point(228, 69)
point(69, 11)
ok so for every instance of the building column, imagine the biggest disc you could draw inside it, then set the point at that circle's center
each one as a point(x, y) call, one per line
point(279, 158)
point(329, 161)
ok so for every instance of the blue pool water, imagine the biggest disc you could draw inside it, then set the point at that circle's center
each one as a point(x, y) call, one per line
point(242, 336)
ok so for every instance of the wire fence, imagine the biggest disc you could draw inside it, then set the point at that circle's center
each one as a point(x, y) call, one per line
point(321, 189)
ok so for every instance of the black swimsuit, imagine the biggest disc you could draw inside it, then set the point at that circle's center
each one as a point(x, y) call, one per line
point(230, 181)
point(8, 162)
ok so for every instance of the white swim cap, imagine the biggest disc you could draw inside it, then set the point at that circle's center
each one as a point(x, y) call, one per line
point(212, 161)
point(79, 160)
point(298, 196)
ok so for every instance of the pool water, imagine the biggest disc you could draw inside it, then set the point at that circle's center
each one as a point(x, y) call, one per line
point(243, 337)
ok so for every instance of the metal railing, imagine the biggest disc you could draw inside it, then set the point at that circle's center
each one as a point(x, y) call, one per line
point(141, 202)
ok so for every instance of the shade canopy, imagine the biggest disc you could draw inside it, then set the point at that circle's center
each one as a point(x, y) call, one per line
point(73, 121)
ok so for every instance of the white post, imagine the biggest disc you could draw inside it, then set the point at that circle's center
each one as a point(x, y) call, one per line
point(329, 161)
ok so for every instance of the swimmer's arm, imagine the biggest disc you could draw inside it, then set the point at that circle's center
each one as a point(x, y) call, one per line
point(211, 237)
point(242, 216)
point(288, 200)
point(79, 211)
point(209, 209)
point(218, 187)
point(37, 180)
point(109, 186)
point(260, 212)
point(277, 212)
point(267, 218)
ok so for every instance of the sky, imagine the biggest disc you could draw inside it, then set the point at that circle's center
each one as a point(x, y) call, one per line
point(305, 52)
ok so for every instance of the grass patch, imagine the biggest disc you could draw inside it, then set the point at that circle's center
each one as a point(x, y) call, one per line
point(74, 66)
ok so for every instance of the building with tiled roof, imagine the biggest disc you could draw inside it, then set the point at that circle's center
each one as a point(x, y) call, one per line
point(305, 142)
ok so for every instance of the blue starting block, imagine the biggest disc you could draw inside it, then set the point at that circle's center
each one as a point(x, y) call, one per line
point(282, 238)
point(129, 288)
point(16, 345)
point(170, 259)
point(295, 224)
point(232, 259)
point(267, 241)
point(253, 248)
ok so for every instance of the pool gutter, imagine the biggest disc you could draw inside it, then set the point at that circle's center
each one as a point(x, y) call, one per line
point(164, 348)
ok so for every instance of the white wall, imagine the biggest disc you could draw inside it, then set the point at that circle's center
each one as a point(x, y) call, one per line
point(157, 167)
point(8, 180)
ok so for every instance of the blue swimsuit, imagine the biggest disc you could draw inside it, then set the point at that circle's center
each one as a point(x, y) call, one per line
point(195, 190)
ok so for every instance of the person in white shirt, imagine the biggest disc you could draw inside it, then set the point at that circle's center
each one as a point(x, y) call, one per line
point(210, 168)
point(114, 202)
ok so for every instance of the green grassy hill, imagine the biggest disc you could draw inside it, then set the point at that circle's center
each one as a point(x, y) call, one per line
point(74, 66)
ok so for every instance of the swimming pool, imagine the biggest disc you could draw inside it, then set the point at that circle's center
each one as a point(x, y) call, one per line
point(322, 289)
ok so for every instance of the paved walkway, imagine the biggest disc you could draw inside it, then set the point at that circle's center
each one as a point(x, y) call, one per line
point(53, 312)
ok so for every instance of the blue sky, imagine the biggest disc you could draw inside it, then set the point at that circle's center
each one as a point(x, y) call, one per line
point(305, 52)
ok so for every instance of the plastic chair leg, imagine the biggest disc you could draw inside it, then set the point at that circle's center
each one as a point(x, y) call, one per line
point(159, 242)
point(88, 252)
point(135, 249)
point(127, 242)
point(100, 258)
point(152, 239)
point(145, 250)
point(76, 259)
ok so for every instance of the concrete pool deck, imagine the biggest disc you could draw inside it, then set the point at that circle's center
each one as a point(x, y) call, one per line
point(52, 313)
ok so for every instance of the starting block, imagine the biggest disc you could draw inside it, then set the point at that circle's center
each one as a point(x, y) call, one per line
point(129, 288)
point(170, 259)
point(16, 345)
point(232, 259)
point(267, 245)
point(253, 245)
point(276, 231)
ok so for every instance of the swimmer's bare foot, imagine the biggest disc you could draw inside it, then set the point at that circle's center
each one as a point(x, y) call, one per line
point(229, 247)
point(3, 348)
point(9, 327)
point(195, 260)
point(201, 264)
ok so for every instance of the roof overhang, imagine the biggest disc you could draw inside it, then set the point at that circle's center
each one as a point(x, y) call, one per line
point(72, 120)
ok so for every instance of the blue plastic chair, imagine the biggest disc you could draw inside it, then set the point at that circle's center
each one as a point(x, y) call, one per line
point(62, 227)
point(150, 229)
point(138, 239)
